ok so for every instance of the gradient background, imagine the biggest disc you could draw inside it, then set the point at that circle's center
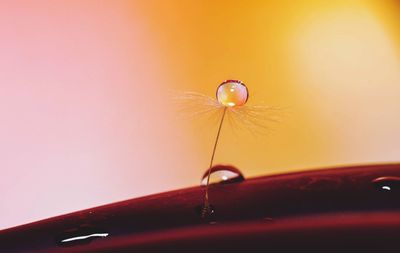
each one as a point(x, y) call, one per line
point(85, 109)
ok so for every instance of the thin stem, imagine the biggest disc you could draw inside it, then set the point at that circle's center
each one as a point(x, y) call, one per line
point(206, 201)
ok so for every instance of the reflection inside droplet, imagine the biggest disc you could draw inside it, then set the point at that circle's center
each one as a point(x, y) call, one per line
point(222, 174)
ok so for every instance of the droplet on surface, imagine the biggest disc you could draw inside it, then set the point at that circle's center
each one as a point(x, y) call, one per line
point(206, 211)
point(222, 174)
point(232, 93)
point(78, 236)
point(387, 184)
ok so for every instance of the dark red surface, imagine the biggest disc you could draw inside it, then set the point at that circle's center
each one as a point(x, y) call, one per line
point(334, 209)
point(351, 232)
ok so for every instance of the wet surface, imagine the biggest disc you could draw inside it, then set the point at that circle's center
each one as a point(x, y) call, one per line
point(358, 189)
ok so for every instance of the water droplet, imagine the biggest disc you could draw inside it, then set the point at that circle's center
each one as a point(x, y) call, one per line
point(206, 212)
point(222, 174)
point(387, 184)
point(232, 93)
point(78, 236)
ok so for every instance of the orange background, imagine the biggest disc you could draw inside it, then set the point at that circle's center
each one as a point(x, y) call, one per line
point(85, 108)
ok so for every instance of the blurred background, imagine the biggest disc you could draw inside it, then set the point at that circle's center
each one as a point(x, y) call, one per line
point(85, 104)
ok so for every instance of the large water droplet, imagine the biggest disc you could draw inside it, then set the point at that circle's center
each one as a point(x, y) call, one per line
point(82, 235)
point(387, 184)
point(232, 93)
point(222, 174)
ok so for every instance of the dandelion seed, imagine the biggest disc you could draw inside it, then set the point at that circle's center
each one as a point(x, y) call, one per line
point(231, 99)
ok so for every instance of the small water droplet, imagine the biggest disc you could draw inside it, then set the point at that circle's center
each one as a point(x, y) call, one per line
point(206, 211)
point(387, 184)
point(222, 174)
point(77, 236)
